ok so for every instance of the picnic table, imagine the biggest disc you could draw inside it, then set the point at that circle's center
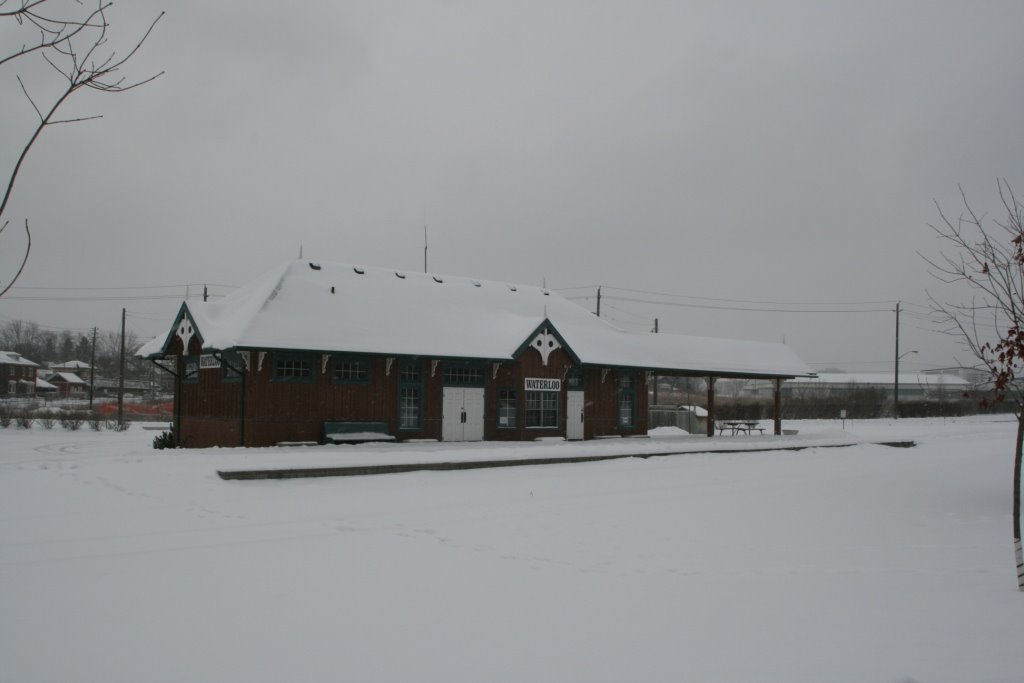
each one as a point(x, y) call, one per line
point(739, 427)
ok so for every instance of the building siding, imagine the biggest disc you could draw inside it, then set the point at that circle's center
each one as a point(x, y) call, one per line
point(209, 412)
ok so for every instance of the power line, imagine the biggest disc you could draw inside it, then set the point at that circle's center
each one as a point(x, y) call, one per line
point(47, 327)
point(642, 318)
point(737, 301)
point(754, 301)
point(94, 289)
point(746, 309)
point(569, 289)
point(95, 298)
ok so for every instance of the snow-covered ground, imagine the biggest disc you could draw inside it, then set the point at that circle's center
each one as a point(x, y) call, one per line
point(863, 563)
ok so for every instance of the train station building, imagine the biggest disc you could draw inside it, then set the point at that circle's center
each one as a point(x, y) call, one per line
point(328, 352)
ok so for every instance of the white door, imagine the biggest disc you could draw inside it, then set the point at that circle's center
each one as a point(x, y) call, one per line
point(574, 415)
point(462, 414)
point(473, 405)
point(451, 414)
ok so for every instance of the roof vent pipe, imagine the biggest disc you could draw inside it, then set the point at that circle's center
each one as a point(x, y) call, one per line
point(332, 289)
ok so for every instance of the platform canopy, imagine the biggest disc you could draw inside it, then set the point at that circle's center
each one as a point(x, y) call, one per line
point(342, 308)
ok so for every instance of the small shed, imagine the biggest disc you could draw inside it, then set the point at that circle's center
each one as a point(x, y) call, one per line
point(689, 418)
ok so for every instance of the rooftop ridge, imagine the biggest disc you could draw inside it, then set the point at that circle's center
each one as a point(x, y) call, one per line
point(358, 269)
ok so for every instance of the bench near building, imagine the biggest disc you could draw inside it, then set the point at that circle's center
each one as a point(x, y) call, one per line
point(331, 352)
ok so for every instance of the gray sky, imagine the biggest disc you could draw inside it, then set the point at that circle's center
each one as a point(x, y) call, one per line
point(774, 152)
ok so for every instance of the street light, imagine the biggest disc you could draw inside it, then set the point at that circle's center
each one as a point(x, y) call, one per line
point(896, 387)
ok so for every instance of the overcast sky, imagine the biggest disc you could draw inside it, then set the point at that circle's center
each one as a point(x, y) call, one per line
point(768, 154)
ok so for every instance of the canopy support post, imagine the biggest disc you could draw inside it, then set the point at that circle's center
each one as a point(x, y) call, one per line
point(711, 405)
point(778, 406)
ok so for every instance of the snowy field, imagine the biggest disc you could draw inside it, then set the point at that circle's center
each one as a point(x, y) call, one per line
point(861, 563)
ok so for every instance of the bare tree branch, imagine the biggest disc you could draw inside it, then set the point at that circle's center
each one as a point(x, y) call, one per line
point(74, 47)
point(51, 31)
point(24, 260)
point(990, 262)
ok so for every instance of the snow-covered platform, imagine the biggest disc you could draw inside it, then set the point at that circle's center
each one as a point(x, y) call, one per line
point(387, 458)
point(469, 464)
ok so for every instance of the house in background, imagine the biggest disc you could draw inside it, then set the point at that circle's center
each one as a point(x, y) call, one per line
point(110, 387)
point(46, 390)
point(17, 375)
point(69, 385)
point(80, 368)
point(316, 352)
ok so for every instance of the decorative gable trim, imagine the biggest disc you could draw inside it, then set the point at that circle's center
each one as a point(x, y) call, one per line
point(545, 343)
point(545, 339)
point(185, 331)
point(184, 328)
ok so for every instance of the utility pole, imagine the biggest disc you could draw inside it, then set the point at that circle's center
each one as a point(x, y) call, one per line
point(896, 375)
point(92, 370)
point(120, 382)
point(424, 247)
point(598, 302)
point(655, 376)
point(204, 293)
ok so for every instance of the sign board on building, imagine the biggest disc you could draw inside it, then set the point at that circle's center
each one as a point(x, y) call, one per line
point(538, 384)
point(208, 361)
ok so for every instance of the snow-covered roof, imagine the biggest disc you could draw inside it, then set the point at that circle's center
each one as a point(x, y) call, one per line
point(332, 307)
point(12, 358)
point(71, 365)
point(696, 410)
point(66, 377)
point(43, 385)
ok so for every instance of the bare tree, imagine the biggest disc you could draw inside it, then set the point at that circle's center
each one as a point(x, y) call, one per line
point(73, 41)
point(987, 257)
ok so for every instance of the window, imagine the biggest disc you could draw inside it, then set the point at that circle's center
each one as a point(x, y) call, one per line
point(409, 373)
point(574, 378)
point(542, 409)
point(409, 401)
point(410, 397)
point(293, 367)
point(351, 371)
point(627, 399)
point(463, 375)
point(190, 369)
point(231, 366)
point(507, 409)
